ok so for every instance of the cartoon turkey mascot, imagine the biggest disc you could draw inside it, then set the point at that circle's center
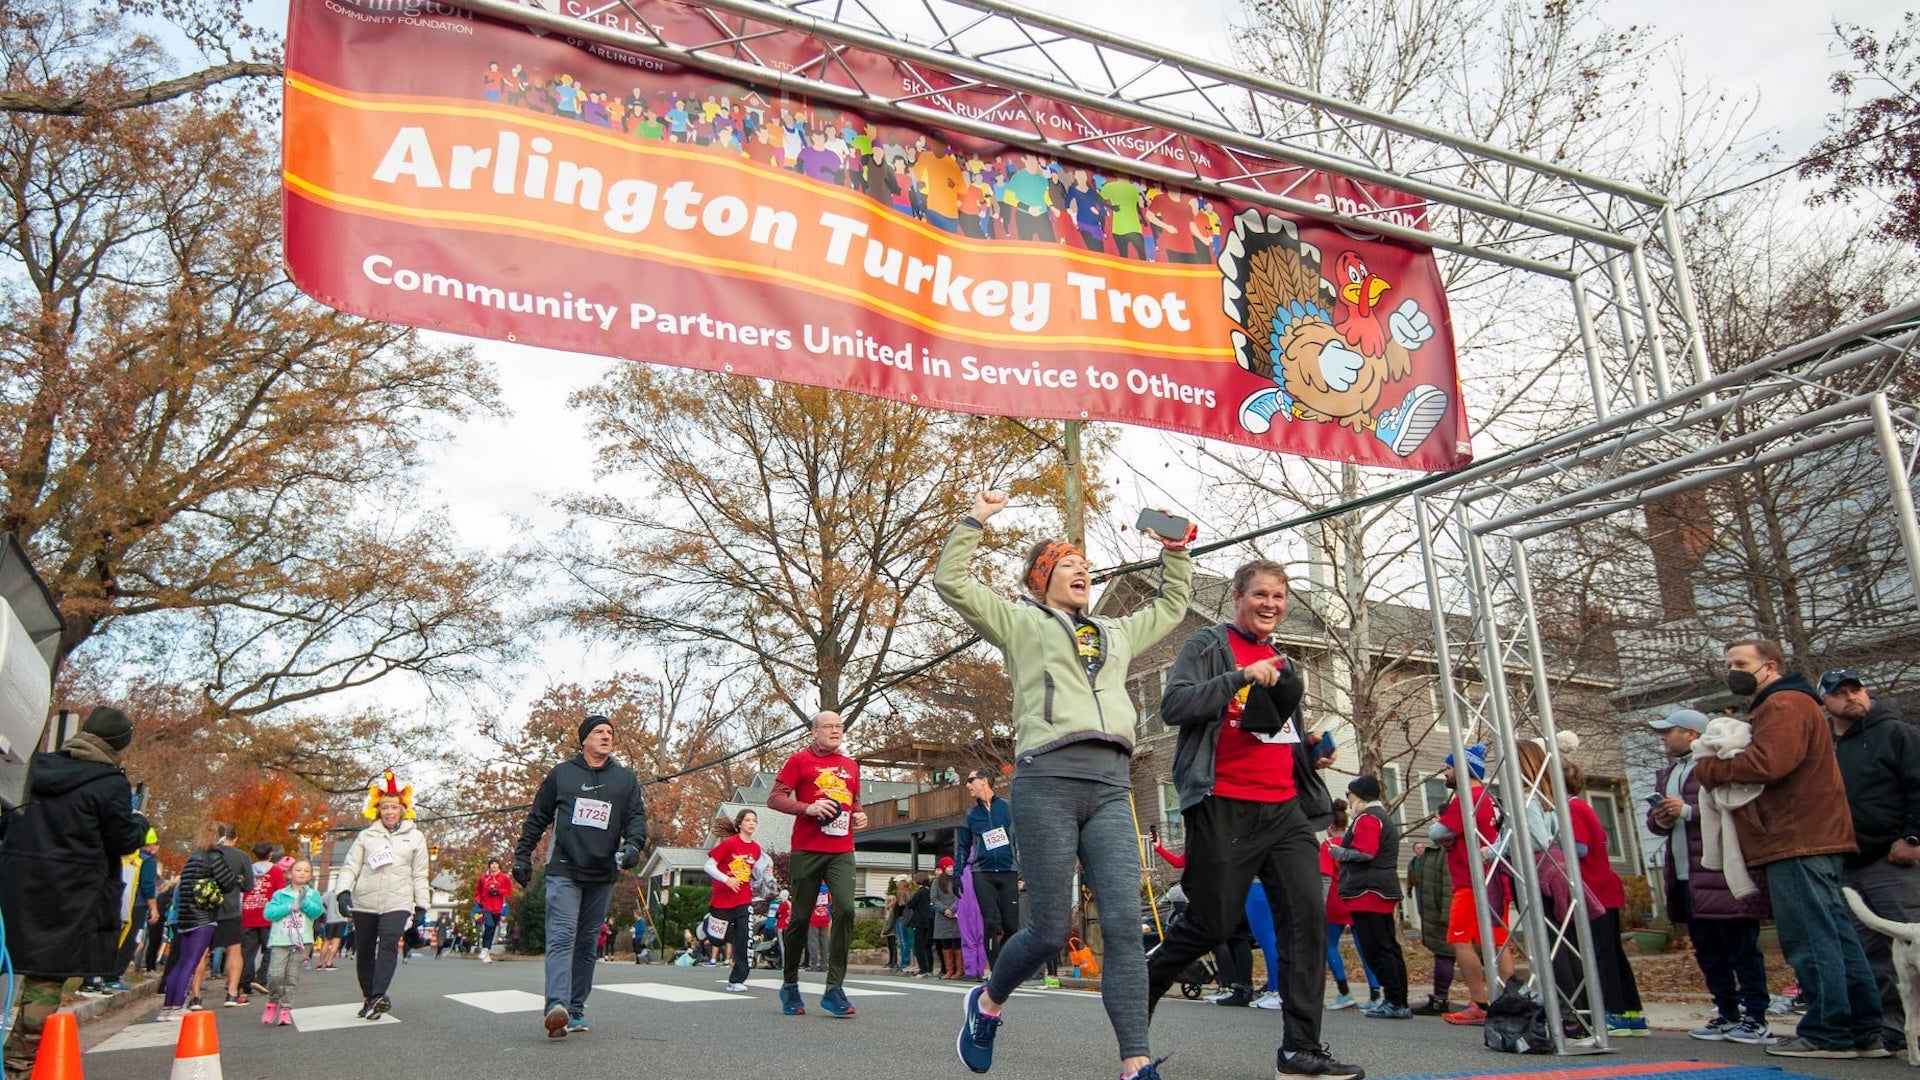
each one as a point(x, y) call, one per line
point(383, 889)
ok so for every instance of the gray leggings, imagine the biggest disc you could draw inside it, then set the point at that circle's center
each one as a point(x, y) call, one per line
point(1057, 820)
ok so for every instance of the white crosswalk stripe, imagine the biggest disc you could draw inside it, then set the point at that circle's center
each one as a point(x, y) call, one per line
point(502, 1001)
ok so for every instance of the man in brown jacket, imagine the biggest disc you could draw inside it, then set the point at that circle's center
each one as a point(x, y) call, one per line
point(1796, 831)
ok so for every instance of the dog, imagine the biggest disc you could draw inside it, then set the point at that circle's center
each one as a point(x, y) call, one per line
point(1906, 964)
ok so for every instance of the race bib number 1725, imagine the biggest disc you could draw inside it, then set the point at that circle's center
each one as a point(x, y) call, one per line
point(592, 813)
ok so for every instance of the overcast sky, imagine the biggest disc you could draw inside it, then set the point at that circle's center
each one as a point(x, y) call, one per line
point(499, 473)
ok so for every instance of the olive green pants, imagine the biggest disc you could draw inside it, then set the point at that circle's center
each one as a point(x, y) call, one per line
point(35, 1000)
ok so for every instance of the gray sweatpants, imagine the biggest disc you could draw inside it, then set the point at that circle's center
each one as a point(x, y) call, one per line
point(1058, 820)
point(283, 973)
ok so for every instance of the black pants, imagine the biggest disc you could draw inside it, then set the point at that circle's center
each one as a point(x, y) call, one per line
point(253, 955)
point(378, 951)
point(129, 947)
point(1137, 242)
point(1380, 948)
point(1223, 858)
point(1728, 952)
point(736, 920)
point(156, 936)
point(923, 949)
point(1234, 958)
point(998, 892)
point(1616, 975)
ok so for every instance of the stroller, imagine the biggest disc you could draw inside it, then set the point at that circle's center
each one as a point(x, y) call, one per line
point(1198, 975)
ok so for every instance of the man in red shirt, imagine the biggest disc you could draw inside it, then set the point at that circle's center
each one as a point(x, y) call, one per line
point(1253, 801)
point(820, 787)
point(1463, 924)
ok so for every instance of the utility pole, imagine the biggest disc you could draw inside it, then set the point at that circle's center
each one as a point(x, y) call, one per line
point(1076, 498)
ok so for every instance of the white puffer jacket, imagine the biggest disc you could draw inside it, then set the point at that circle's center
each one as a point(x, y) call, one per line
point(386, 871)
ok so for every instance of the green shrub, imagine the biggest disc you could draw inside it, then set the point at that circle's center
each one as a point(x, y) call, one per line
point(530, 914)
point(866, 934)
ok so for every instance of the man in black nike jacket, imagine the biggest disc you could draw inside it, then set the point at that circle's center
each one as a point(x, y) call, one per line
point(599, 824)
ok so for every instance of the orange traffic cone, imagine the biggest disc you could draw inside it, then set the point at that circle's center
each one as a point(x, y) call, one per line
point(59, 1056)
point(197, 1055)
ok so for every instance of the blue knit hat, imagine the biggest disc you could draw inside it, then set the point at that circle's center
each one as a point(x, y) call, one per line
point(1476, 761)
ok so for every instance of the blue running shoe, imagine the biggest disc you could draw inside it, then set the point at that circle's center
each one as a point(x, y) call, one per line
point(576, 1025)
point(975, 1042)
point(1149, 1071)
point(790, 1000)
point(835, 1002)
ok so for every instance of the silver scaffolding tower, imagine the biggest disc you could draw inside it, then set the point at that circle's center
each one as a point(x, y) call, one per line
point(1614, 248)
point(1474, 527)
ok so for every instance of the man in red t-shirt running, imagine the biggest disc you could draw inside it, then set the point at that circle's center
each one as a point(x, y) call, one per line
point(1252, 798)
point(820, 787)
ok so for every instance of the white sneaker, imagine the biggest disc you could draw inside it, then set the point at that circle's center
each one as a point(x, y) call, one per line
point(736, 988)
point(486, 957)
point(1268, 1000)
point(1341, 1001)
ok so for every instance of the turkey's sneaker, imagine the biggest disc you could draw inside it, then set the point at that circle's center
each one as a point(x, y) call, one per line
point(1260, 407)
point(974, 1044)
point(556, 1022)
point(1315, 1062)
point(1405, 426)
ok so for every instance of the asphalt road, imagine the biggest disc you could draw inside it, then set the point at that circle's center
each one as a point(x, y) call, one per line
point(676, 1022)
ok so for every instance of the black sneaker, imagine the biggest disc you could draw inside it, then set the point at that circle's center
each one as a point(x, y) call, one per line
point(1434, 1007)
point(194, 1005)
point(1237, 999)
point(379, 1007)
point(1316, 1062)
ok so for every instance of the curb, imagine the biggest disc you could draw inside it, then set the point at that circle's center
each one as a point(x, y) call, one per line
point(85, 1009)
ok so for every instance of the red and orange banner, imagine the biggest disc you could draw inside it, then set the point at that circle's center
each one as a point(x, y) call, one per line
point(449, 172)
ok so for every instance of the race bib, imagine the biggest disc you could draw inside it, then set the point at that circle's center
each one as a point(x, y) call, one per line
point(1286, 734)
point(716, 928)
point(592, 813)
point(995, 839)
point(378, 859)
point(841, 825)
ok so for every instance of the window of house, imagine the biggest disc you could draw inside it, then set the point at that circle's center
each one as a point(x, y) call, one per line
point(1390, 788)
point(1434, 793)
point(1608, 811)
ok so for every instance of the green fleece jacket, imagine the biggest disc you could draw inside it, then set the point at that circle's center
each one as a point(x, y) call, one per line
point(1054, 703)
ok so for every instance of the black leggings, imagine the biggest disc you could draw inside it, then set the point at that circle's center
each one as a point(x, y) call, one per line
point(998, 892)
point(736, 920)
point(378, 954)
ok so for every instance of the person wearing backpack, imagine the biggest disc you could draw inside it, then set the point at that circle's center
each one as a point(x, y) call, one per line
point(204, 882)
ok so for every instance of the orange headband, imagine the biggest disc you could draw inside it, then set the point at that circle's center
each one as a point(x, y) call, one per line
point(1042, 571)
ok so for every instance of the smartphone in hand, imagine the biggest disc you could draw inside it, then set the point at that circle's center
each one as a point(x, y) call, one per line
point(1655, 799)
point(1166, 525)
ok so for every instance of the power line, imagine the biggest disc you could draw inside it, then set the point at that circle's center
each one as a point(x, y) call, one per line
point(1807, 160)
